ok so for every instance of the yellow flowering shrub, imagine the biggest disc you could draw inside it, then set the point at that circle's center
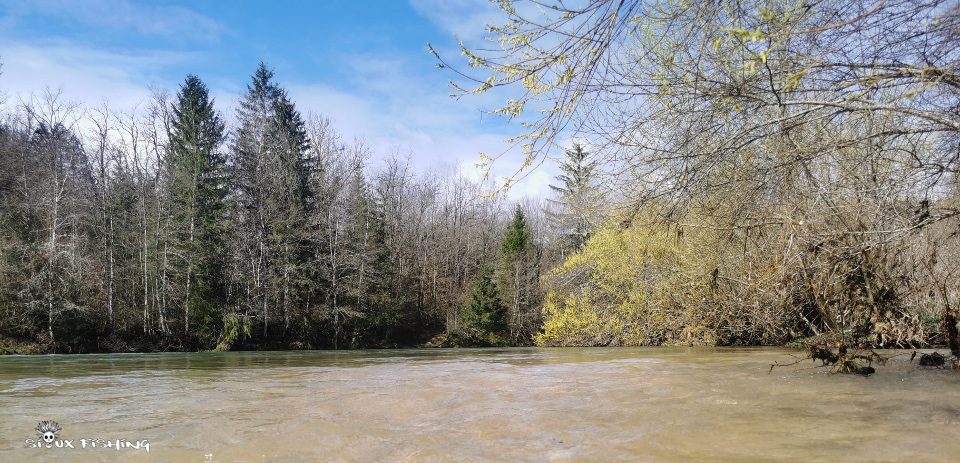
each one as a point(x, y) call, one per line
point(641, 285)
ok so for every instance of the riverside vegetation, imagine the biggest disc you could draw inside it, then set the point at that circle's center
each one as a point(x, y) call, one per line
point(771, 171)
point(159, 228)
point(740, 173)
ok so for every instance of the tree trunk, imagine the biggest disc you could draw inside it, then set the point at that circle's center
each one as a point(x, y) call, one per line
point(953, 337)
point(286, 289)
point(50, 310)
point(186, 301)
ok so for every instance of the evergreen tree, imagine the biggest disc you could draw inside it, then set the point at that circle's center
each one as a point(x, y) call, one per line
point(197, 189)
point(485, 312)
point(577, 195)
point(517, 237)
point(273, 171)
point(517, 276)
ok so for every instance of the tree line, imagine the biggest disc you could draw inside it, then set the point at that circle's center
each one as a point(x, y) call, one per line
point(744, 173)
point(161, 228)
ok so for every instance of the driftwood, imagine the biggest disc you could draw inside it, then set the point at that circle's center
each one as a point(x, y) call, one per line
point(861, 361)
point(858, 362)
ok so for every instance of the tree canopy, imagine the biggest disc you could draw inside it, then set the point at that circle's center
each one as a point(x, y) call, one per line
point(815, 144)
point(672, 91)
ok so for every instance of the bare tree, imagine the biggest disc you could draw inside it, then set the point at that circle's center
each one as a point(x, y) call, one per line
point(52, 182)
point(822, 132)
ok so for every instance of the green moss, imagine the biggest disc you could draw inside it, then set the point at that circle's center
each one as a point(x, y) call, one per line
point(13, 347)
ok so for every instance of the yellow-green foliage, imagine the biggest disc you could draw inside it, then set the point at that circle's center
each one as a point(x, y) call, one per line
point(700, 281)
point(635, 286)
point(235, 328)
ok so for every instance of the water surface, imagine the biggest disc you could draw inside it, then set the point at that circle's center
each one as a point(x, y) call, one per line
point(616, 404)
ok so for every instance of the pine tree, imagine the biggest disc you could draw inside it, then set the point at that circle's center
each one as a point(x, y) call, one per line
point(198, 187)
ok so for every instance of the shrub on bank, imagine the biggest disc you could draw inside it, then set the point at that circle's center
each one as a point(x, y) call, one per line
point(699, 281)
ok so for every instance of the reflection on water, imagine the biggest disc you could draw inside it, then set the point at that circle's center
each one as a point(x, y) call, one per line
point(653, 404)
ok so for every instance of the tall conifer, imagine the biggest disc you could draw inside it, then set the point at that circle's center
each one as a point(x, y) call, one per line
point(197, 189)
point(273, 171)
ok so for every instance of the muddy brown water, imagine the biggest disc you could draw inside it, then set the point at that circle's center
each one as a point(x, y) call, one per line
point(610, 404)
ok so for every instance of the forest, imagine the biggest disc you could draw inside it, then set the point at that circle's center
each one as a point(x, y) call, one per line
point(734, 173)
point(161, 229)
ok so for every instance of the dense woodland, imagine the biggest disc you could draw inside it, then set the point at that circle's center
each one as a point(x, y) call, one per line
point(160, 228)
point(734, 173)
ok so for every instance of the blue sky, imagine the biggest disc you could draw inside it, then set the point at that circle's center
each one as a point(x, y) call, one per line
point(362, 63)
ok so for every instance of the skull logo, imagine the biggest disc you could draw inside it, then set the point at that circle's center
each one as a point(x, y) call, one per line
point(48, 431)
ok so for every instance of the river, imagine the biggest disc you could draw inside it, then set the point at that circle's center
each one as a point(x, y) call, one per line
point(540, 405)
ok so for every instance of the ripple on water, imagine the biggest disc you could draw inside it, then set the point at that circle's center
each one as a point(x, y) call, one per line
point(479, 405)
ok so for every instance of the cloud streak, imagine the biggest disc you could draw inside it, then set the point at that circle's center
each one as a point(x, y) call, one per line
point(458, 16)
point(169, 21)
point(396, 102)
point(83, 73)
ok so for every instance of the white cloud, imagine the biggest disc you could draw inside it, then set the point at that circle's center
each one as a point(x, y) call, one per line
point(172, 22)
point(459, 17)
point(83, 74)
point(389, 103)
point(434, 130)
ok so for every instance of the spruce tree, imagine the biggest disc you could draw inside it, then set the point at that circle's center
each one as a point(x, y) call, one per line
point(514, 274)
point(197, 189)
point(485, 312)
point(577, 196)
point(517, 237)
point(273, 172)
